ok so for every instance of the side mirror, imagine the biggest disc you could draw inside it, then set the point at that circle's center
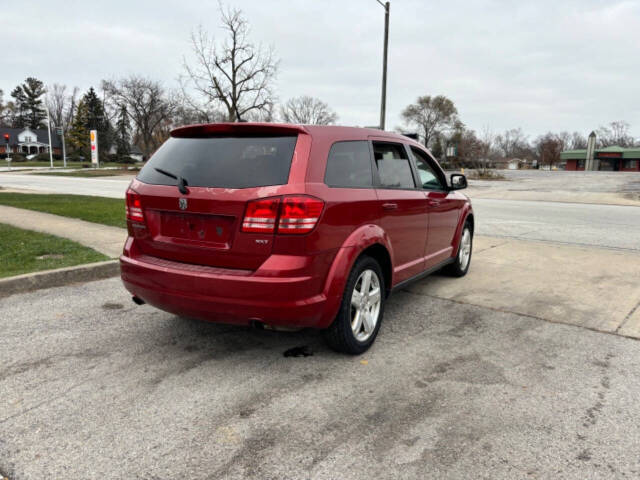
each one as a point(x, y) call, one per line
point(458, 181)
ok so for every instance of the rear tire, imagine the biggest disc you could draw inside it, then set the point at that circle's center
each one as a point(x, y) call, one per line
point(358, 321)
point(460, 265)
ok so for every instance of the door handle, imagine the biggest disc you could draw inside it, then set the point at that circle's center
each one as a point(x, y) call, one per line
point(389, 206)
point(433, 203)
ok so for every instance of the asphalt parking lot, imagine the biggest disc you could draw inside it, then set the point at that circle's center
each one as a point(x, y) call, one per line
point(96, 387)
point(614, 188)
point(525, 368)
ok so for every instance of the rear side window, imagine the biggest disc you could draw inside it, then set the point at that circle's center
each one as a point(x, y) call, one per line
point(393, 165)
point(349, 165)
point(224, 162)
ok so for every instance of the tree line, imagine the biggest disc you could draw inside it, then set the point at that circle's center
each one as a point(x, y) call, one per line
point(232, 79)
point(439, 127)
point(226, 79)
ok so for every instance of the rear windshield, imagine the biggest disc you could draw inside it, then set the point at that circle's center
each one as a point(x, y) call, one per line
point(226, 162)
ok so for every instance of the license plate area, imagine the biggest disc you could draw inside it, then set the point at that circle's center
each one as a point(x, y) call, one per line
point(197, 229)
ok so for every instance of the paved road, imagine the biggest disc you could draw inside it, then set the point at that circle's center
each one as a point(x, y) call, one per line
point(107, 187)
point(572, 223)
point(96, 388)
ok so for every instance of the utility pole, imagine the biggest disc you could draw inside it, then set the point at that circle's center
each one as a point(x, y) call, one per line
point(383, 102)
point(60, 132)
point(49, 132)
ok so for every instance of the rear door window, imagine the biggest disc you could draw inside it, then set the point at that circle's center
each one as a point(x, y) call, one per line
point(349, 165)
point(222, 162)
point(392, 162)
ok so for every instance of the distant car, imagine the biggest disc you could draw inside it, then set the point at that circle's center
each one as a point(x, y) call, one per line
point(293, 226)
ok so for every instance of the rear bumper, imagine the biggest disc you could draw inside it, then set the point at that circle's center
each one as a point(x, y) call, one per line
point(228, 296)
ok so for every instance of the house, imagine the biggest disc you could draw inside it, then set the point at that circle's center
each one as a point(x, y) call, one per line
point(29, 141)
point(134, 152)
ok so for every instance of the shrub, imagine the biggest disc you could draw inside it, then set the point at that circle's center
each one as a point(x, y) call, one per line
point(485, 174)
point(15, 157)
point(44, 157)
point(115, 158)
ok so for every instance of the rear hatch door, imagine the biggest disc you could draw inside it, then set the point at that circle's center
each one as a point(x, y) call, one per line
point(222, 174)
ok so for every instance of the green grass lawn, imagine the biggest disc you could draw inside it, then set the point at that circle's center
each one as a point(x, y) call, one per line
point(59, 163)
point(89, 173)
point(107, 211)
point(24, 251)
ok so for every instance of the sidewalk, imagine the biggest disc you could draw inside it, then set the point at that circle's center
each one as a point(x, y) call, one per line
point(590, 287)
point(102, 238)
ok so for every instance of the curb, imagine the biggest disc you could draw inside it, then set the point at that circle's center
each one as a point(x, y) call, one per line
point(58, 277)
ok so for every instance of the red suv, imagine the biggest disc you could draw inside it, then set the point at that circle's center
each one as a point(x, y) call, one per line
point(291, 226)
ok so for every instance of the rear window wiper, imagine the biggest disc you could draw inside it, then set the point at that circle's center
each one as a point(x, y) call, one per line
point(182, 182)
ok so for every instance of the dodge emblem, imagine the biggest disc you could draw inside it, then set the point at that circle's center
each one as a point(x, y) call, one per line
point(182, 203)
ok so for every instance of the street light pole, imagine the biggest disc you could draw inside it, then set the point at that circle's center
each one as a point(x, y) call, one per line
point(383, 101)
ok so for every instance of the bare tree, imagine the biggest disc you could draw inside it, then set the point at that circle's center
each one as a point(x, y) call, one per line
point(148, 105)
point(577, 141)
point(485, 151)
point(432, 115)
point(513, 143)
point(235, 75)
point(61, 105)
point(616, 133)
point(307, 110)
point(549, 147)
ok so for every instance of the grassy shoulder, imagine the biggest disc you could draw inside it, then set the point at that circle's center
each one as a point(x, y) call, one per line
point(107, 211)
point(60, 163)
point(25, 251)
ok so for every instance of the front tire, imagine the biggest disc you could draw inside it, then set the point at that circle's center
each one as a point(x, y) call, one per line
point(460, 265)
point(358, 321)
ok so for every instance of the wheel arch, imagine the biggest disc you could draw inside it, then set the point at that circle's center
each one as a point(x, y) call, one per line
point(380, 254)
point(466, 216)
point(369, 240)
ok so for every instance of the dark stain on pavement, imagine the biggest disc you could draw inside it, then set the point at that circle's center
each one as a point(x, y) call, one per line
point(112, 306)
point(585, 456)
point(468, 369)
point(302, 351)
point(471, 323)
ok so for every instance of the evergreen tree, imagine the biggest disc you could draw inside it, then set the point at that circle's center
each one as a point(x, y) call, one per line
point(122, 136)
point(18, 119)
point(90, 115)
point(436, 148)
point(28, 105)
point(79, 132)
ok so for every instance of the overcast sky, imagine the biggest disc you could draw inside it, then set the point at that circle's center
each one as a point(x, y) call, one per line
point(540, 65)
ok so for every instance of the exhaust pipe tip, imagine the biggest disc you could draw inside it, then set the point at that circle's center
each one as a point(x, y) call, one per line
point(137, 300)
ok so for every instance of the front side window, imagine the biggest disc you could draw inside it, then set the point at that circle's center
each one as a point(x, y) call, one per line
point(393, 165)
point(630, 164)
point(349, 165)
point(428, 176)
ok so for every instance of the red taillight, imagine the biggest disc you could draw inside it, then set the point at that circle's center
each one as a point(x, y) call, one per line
point(260, 216)
point(134, 206)
point(299, 214)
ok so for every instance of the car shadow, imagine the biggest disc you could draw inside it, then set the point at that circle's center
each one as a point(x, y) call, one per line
point(217, 340)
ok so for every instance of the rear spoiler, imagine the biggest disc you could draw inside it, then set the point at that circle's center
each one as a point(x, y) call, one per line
point(253, 128)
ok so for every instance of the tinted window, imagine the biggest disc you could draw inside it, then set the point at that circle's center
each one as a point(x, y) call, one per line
point(349, 165)
point(428, 176)
point(393, 165)
point(227, 162)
